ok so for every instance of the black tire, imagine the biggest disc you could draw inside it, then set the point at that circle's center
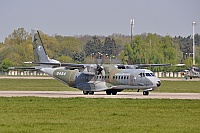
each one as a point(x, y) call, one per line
point(91, 92)
point(114, 92)
point(85, 92)
point(145, 92)
point(108, 92)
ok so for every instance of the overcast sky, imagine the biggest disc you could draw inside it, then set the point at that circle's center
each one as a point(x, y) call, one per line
point(100, 17)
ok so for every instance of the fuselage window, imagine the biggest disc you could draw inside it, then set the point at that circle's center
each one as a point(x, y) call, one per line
point(116, 77)
point(113, 77)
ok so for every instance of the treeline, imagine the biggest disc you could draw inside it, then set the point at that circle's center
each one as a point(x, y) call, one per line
point(145, 48)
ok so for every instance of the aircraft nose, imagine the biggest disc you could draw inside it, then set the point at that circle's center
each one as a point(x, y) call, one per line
point(158, 83)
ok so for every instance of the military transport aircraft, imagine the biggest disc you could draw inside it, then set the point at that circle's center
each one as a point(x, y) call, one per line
point(91, 78)
point(192, 72)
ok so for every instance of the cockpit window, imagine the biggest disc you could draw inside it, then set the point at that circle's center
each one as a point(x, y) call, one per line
point(149, 74)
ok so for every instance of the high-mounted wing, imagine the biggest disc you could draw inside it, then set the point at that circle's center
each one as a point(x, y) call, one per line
point(136, 66)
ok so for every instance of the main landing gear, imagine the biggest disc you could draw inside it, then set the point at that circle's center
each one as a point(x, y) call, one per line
point(113, 92)
point(88, 92)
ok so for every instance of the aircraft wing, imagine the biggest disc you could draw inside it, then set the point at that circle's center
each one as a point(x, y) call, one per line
point(151, 65)
point(136, 66)
point(154, 65)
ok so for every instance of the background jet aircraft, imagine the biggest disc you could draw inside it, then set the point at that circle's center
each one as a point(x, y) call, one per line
point(91, 78)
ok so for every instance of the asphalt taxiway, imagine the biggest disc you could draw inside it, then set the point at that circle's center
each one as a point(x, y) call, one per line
point(71, 94)
point(47, 77)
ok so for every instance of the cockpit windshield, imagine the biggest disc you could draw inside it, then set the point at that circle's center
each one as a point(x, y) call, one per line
point(149, 75)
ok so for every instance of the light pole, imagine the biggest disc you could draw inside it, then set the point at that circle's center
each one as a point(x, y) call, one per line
point(193, 25)
point(132, 26)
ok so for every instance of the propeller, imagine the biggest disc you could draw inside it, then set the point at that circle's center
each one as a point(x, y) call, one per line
point(100, 68)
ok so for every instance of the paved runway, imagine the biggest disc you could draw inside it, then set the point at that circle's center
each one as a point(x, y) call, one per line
point(47, 77)
point(70, 94)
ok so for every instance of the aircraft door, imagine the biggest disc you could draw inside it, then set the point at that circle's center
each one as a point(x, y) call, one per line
point(142, 80)
point(132, 79)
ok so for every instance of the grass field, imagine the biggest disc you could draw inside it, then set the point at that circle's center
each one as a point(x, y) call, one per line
point(33, 85)
point(180, 86)
point(82, 115)
point(54, 85)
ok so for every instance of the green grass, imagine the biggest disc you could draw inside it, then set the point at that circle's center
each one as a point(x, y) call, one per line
point(75, 115)
point(54, 85)
point(33, 85)
point(180, 86)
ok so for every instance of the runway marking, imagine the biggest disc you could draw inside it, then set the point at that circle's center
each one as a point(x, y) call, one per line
point(71, 94)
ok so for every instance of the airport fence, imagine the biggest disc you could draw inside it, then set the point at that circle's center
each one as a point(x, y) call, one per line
point(38, 73)
point(23, 73)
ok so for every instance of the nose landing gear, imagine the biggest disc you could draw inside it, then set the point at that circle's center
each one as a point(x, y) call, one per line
point(145, 92)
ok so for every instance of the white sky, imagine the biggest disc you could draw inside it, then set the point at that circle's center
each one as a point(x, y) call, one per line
point(100, 17)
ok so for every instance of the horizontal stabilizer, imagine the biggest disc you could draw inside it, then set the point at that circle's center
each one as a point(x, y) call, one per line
point(25, 68)
point(67, 65)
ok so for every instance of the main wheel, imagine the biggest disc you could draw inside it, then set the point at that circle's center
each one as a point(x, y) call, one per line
point(114, 92)
point(85, 92)
point(145, 92)
point(108, 92)
point(91, 92)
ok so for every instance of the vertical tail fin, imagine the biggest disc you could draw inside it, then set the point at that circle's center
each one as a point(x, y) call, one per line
point(40, 54)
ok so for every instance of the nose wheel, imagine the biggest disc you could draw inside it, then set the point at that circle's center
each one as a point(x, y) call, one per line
point(145, 92)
